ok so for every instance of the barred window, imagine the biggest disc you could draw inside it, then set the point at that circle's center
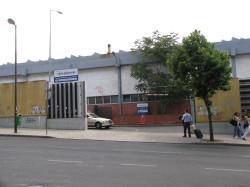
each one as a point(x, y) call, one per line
point(114, 99)
point(134, 97)
point(99, 100)
point(126, 98)
point(106, 99)
point(103, 99)
point(91, 100)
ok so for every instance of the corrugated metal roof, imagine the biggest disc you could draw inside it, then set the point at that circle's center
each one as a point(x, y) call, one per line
point(80, 62)
point(233, 47)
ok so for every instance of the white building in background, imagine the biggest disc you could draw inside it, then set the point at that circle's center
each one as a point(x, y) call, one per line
point(108, 80)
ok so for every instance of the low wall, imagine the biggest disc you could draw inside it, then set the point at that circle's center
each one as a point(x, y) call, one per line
point(130, 109)
point(147, 119)
point(68, 123)
point(39, 122)
point(36, 122)
point(218, 128)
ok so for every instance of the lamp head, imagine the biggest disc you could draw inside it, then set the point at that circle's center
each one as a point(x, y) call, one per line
point(59, 12)
point(11, 21)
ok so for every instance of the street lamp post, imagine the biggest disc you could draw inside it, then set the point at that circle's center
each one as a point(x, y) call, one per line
point(12, 22)
point(117, 64)
point(50, 42)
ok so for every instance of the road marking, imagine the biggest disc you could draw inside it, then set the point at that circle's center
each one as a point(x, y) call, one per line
point(66, 161)
point(246, 156)
point(7, 158)
point(161, 152)
point(138, 165)
point(236, 170)
point(8, 150)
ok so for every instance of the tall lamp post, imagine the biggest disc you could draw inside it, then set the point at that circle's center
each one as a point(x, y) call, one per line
point(118, 65)
point(12, 22)
point(59, 12)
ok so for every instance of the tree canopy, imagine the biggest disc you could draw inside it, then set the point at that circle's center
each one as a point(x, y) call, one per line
point(200, 68)
point(151, 72)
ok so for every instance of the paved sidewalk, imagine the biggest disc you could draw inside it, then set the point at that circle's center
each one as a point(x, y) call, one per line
point(163, 134)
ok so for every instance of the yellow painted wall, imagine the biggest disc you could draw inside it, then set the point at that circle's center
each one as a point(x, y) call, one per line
point(224, 104)
point(30, 99)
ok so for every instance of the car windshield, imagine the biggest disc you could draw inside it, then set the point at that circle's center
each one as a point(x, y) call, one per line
point(92, 115)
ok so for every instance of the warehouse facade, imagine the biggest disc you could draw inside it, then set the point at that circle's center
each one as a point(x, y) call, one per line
point(110, 89)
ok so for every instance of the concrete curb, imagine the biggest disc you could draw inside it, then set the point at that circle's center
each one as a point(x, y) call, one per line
point(168, 134)
point(197, 143)
point(224, 144)
point(25, 135)
point(148, 125)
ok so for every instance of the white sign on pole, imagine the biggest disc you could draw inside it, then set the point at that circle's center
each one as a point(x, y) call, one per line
point(66, 75)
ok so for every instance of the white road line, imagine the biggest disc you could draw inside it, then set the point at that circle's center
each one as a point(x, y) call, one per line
point(8, 150)
point(235, 170)
point(138, 165)
point(7, 158)
point(117, 150)
point(65, 161)
point(161, 152)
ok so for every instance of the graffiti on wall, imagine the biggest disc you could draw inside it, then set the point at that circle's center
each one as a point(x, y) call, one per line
point(30, 120)
point(38, 109)
point(100, 90)
point(224, 104)
point(30, 93)
point(217, 115)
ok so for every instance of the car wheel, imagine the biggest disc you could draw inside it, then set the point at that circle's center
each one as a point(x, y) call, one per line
point(98, 125)
point(107, 127)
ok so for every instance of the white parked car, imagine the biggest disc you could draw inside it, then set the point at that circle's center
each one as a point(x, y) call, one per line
point(98, 122)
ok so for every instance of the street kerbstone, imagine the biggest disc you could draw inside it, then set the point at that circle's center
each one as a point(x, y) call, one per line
point(160, 134)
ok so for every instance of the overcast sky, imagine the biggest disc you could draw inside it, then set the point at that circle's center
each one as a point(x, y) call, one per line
point(88, 26)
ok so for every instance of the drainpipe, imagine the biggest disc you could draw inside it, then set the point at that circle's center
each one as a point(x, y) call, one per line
point(232, 55)
point(118, 65)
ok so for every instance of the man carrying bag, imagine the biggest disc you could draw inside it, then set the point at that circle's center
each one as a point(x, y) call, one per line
point(187, 119)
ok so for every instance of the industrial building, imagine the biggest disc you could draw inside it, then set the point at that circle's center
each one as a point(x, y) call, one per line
point(109, 87)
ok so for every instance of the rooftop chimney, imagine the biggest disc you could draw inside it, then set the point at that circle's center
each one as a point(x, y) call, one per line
point(109, 48)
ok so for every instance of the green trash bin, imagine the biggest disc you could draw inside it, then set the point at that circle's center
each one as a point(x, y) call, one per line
point(18, 119)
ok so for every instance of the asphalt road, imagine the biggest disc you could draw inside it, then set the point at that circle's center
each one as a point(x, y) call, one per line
point(49, 162)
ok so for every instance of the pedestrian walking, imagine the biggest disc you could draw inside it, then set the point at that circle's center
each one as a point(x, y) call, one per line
point(187, 119)
point(246, 124)
point(237, 128)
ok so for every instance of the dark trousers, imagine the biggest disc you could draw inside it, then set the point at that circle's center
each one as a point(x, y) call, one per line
point(187, 126)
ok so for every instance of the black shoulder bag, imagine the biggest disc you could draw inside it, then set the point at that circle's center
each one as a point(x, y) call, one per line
point(233, 122)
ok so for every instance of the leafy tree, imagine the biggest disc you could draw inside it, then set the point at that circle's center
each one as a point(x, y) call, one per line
point(201, 68)
point(151, 72)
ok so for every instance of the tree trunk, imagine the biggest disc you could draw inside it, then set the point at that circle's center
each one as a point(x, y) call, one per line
point(162, 107)
point(208, 105)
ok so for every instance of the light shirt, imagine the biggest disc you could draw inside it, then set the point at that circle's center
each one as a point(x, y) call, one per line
point(187, 117)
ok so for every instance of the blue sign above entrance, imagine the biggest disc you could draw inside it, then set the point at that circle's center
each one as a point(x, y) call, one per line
point(67, 75)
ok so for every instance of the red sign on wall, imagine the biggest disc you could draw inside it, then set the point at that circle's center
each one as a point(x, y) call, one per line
point(142, 119)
